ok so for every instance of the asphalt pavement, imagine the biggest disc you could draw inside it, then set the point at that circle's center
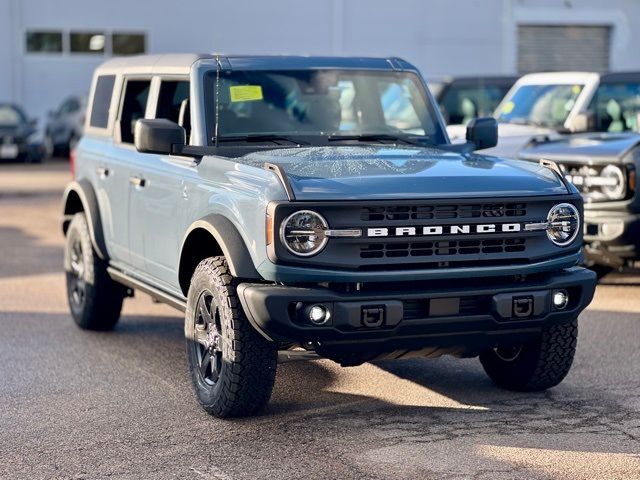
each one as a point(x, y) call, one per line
point(77, 404)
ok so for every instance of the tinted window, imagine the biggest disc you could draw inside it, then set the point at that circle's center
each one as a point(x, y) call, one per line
point(172, 94)
point(616, 107)
point(128, 43)
point(10, 116)
point(44, 41)
point(101, 101)
point(461, 104)
point(133, 107)
point(87, 42)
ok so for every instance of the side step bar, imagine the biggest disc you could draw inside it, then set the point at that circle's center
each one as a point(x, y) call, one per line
point(153, 292)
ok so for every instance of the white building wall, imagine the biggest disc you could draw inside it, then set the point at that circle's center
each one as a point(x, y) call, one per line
point(440, 36)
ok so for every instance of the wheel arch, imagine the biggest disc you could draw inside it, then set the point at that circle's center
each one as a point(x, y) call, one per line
point(214, 235)
point(79, 197)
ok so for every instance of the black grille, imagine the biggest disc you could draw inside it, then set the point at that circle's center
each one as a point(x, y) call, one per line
point(442, 248)
point(436, 212)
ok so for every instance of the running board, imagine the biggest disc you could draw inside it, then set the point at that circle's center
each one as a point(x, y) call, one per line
point(153, 292)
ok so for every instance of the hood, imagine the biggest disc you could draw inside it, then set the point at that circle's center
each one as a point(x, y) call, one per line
point(386, 172)
point(590, 148)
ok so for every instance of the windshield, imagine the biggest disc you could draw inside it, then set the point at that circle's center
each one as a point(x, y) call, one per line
point(10, 116)
point(616, 107)
point(332, 104)
point(540, 105)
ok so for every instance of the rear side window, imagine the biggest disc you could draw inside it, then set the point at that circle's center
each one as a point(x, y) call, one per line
point(101, 101)
point(133, 107)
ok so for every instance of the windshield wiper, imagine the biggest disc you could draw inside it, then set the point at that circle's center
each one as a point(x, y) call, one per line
point(266, 137)
point(374, 137)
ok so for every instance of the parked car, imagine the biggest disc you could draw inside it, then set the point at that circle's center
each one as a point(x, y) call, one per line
point(314, 204)
point(604, 168)
point(65, 125)
point(462, 99)
point(19, 137)
point(551, 104)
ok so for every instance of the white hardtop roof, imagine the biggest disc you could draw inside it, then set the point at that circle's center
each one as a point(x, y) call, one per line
point(169, 63)
point(558, 78)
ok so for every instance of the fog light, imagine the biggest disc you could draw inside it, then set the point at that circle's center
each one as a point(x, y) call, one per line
point(319, 315)
point(560, 299)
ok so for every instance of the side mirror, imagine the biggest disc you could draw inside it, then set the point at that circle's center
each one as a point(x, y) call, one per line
point(158, 135)
point(483, 132)
point(582, 122)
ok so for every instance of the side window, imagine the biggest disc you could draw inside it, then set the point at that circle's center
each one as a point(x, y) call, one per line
point(101, 101)
point(616, 107)
point(134, 105)
point(173, 103)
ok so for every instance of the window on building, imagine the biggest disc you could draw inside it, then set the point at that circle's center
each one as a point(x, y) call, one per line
point(128, 43)
point(133, 107)
point(102, 101)
point(87, 42)
point(49, 42)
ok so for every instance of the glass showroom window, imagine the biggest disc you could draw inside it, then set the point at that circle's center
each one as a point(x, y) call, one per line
point(87, 42)
point(128, 43)
point(49, 42)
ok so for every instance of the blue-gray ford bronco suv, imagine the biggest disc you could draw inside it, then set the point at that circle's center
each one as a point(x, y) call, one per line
point(316, 205)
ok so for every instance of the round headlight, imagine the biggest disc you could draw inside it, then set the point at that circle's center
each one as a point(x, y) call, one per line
point(614, 186)
point(564, 224)
point(303, 234)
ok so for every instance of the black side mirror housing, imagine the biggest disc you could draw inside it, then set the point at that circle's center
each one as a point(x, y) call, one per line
point(483, 132)
point(158, 135)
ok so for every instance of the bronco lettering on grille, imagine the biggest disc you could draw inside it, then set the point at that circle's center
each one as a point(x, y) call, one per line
point(444, 230)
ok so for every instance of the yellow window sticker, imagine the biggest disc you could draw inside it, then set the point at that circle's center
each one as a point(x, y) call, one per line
point(245, 93)
point(576, 89)
point(508, 107)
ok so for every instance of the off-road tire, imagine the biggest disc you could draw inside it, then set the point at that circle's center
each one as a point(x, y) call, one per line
point(102, 299)
point(246, 360)
point(539, 365)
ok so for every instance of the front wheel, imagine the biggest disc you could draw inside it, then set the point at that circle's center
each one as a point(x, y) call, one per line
point(537, 365)
point(232, 366)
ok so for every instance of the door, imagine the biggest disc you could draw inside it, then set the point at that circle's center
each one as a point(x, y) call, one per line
point(158, 207)
point(126, 168)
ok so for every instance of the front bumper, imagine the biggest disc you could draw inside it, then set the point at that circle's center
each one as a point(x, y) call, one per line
point(611, 238)
point(462, 317)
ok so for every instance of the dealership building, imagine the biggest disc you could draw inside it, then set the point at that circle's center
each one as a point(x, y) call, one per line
point(48, 49)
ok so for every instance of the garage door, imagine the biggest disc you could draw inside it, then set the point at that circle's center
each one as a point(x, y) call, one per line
point(562, 47)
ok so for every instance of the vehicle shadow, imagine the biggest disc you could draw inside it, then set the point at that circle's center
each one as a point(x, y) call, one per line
point(42, 258)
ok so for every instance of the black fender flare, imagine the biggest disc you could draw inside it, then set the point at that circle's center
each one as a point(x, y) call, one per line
point(230, 241)
point(87, 196)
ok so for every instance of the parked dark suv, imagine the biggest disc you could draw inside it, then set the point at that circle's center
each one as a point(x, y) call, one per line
point(312, 204)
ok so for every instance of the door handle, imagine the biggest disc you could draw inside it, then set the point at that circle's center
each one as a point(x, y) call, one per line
point(103, 172)
point(137, 181)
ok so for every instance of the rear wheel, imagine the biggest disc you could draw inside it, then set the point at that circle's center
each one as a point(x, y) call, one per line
point(232, 366)
point(537, 365)
point(95, 300)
